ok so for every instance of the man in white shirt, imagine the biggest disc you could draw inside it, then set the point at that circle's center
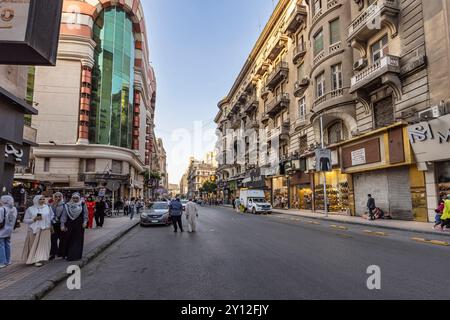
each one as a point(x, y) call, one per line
point(191, 216)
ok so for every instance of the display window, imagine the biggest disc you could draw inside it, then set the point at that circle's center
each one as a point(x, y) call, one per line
point(443, 177)
point(280, 193)
point(337, 192)
point(302, 197)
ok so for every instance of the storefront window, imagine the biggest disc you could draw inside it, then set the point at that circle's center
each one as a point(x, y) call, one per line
point(280, 193)
point(301, 197)
point(443, 177)
point(337, 192)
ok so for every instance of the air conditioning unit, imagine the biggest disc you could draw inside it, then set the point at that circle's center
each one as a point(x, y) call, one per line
point(432, 113)
point(360, 64)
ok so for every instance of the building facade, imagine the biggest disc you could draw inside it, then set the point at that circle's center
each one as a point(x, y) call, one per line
point(197, 174)
point(353, 75)
point(96, 107)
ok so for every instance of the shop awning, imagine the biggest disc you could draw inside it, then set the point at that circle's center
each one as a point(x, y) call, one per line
point(21, 103)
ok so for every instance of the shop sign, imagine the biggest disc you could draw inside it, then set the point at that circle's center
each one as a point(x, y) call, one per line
point(29, 31)
point(431, 140)
point(323, 160)
point(359, 157)
point(17, 155)
point(255, 180)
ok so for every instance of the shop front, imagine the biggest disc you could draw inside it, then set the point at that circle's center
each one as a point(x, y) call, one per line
point(338, 192)
point(301, 191)
point(430, 141)
point(381, 164)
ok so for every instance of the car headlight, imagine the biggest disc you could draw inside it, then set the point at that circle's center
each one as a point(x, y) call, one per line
point(144, 215)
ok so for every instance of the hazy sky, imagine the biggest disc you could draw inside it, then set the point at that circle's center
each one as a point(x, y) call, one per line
point(197, 48)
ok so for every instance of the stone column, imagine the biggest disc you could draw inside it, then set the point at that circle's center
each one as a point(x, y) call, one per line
point(432, 191)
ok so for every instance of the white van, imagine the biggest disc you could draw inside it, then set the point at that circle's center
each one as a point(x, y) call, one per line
point(255, 201)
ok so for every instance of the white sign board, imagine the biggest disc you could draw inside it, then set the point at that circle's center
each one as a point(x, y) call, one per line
point(359, 157)
point(14, 20)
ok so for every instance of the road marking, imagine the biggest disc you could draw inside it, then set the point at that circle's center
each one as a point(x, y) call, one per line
point(346, 236)
point(338, 227)
point(374, 233)
point(314, 222)
point(434, 242)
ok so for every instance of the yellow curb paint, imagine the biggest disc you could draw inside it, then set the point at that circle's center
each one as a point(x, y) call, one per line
point(439, 243)
point(338, 227)
point(313, 222)
point(419, 239)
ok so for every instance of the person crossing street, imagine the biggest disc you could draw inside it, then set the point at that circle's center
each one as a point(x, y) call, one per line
point(176, 212)
point(191, 216)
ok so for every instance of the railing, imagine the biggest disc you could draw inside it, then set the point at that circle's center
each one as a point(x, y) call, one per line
point(332, 3)
point(317, 16)
point(385, 62)
point(293, 22)
point(335, 47)
point(329, 96)
point(281, 66)
point(367, 16)
point(283, 97)
point(299, 50)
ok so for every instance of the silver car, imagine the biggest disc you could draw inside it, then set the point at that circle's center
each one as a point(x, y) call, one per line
point(156, 214)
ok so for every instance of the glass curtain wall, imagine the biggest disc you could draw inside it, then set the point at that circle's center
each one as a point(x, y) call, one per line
point(111, 120)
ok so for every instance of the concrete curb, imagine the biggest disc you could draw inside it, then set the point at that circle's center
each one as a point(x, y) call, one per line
point(361, 223)
point(50, 284)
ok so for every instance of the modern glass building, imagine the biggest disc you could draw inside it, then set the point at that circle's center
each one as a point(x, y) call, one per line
point(111, 114)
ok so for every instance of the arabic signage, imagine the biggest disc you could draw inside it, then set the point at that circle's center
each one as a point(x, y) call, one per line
point(29, 31)
point(359, 157)
point(431, 140)
point(255, 180)
point(17, 155)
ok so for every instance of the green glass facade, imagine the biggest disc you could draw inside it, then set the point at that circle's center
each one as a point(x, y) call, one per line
point(111, 116)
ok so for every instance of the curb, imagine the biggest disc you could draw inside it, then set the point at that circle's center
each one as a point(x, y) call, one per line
point(361, 223)
point(50, 284)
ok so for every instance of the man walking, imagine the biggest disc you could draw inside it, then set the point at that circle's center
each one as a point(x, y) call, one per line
point(176, 211)
point(191, 216)
point(371, 206)
point(100, 208)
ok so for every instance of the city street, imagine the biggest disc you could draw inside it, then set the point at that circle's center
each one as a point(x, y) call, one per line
point(263, 257)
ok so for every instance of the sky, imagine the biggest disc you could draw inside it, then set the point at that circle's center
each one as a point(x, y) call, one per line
point(197, 48)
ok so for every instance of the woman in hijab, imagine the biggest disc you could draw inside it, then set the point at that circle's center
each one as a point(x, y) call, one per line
point(73, 223)
point(38, 242)
point(8, 216)
point(58, 206)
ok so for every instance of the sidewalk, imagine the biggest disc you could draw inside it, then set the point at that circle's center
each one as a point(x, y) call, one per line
point(22, 282)
point(412, 226)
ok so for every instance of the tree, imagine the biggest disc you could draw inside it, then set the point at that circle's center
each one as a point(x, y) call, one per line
point(209, 187)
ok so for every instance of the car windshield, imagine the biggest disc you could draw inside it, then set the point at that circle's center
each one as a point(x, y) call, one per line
point(259, 200)
point(159, 206)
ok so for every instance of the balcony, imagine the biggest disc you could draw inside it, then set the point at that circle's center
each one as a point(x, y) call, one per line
point(278, 43)
point(369, 22)
point(29, 134)
point(236, 107)
point(332, 98)
point(279, 73)
point(385, 71)
point(265, 118)
point(252, 105)
point(264, 92)
point(236, 123)
point(299, 52)
point(252, 124)
point(296, 19)
point(300, 86)
point(261, 68)
point(300, 123)
point(243, 97)
point(277, 104)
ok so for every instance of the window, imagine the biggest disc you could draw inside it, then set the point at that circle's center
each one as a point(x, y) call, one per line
point(117, 167)
point(302, 109)
point(301, 72)
point(90, 165)
point(336, 76)
point(335, 133)
point(47, 165)
point(317, 6)
point(335, 35)
point(303, 144)
point(380, 49)
point(320, 85)
point(318, 43)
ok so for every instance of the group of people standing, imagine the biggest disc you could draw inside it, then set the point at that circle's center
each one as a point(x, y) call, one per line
point(55, 229)
point(176, 213)
point(132, 207)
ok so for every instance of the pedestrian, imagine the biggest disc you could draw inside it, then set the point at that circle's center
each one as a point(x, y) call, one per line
point(37, 245)
point(100, 208)
point(58, 207)
point(133, 208)
point(238, 205)
point(445, 218)
point(191, 216)
point(73, 223)
point(90, 204)
point(234, 204)
point(8, 217)
point(439, 211)
point(126, 208)
point(371, 206)
point(176, 212)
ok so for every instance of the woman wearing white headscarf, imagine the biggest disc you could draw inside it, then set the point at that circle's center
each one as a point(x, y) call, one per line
point(8, 216)
point(38, 242)
point(73, 222)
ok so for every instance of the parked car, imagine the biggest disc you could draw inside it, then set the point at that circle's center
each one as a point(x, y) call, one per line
point(254, 201)
point(156, 214)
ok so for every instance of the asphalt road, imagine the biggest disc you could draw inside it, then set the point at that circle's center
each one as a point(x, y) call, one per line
point(246, 257)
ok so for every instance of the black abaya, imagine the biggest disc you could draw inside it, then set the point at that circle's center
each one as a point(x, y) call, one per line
point(74, 241)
